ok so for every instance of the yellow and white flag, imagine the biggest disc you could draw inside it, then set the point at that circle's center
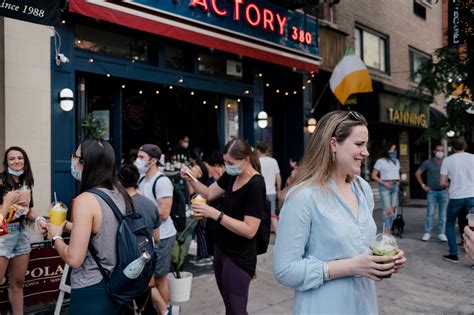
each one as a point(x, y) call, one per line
point(349, 77)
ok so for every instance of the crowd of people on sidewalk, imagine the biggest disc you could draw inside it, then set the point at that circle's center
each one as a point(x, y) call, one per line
point(322, 217)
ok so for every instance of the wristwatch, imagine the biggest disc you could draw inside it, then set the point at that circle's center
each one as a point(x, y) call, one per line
point(56, 237)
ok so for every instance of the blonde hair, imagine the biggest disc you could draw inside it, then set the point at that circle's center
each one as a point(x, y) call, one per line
point(318, 163)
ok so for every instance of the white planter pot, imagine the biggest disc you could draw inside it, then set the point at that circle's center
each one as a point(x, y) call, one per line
point(180, 289)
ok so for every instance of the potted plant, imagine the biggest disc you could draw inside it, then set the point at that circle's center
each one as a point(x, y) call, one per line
point(180, 281)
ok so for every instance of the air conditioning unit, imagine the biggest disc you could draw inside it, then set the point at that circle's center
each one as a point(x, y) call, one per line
point(234, 68)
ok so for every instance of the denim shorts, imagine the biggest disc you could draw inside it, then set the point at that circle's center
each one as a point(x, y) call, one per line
point(16, 243)
point(163, 256)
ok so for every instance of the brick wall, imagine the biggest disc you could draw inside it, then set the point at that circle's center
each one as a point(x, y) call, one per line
point(394, 18)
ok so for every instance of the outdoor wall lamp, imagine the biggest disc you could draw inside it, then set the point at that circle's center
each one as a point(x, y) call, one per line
point(262, 119)
point(450, 133)
point(66, 99)
point(311, 125)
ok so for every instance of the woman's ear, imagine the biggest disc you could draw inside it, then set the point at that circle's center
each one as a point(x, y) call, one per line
point(333, 144)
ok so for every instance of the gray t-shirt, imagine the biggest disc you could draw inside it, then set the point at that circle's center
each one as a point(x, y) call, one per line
point(148, 210)
point(432, 170)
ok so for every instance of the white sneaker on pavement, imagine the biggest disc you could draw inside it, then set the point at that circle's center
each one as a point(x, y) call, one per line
point(426, 237)
point(442, 237)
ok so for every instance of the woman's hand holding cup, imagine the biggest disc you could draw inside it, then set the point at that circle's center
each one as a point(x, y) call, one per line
point(373, 267)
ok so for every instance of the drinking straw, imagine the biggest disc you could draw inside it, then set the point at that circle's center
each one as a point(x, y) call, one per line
point(55, 198)
point(383, 226)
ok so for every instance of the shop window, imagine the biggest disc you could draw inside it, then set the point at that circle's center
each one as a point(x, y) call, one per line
point(103, 41)
point(212, 65)
point(175, 58)
point(371, 48)
point(416, 60)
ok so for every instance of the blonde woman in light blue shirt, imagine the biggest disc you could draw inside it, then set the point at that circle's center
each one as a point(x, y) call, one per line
point(326, 226)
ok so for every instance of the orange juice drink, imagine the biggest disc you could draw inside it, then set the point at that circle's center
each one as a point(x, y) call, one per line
point(57, 213)
point(198, 199)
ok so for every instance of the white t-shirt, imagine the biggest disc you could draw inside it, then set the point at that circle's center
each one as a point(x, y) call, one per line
point(388, 169)
point(270, 170)
point(163, 188)
point(459, 168)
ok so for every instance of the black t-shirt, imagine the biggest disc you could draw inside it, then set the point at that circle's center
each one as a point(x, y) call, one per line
point(248, 200)
point(6, 187)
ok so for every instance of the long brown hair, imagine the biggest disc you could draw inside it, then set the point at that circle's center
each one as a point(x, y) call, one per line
point(239, 149)
point(318, 164)
point(99, 169)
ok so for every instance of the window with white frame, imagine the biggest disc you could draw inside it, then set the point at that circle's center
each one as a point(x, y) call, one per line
point(372, 48)
point(416, 59)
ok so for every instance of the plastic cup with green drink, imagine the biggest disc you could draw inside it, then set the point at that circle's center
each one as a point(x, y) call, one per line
point(384, 245)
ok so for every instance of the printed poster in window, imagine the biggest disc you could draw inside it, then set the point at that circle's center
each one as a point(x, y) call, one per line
point(231, 119)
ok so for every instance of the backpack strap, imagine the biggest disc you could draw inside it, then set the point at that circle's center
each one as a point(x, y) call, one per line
point(118, 215)
point(154, 185)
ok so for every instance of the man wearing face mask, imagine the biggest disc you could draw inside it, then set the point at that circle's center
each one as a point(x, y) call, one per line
point(158, 188)
point(436, 194)
point(182, 148)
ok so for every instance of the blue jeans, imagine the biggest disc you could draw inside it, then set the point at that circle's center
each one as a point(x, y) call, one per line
point(434, 198)
point(389, 199)
point(455, 207)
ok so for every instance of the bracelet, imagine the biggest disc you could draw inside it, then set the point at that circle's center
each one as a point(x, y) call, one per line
point(39, 218)
point(326, 272)
point(219, 219)
point(56, 237)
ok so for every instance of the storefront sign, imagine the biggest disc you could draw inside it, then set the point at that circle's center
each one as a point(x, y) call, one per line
point(407, 117)
point(257, 19)
point(45, 269)
point(454, 23)
point(44, 12)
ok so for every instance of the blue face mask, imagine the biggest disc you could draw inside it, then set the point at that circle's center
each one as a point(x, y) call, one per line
point(393, 155)
point(76, 174)
point(15, 173)
point(233, 170)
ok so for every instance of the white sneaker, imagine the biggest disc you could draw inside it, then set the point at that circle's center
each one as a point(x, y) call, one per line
point(426, 237)
point(442, 237)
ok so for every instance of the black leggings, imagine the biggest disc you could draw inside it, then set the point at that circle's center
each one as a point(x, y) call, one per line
point(233, 283)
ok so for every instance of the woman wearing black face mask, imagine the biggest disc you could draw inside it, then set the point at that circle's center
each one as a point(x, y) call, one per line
point(16, 205)
point(387, 173)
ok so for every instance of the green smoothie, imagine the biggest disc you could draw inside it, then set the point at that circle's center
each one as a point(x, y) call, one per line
point(384, 249)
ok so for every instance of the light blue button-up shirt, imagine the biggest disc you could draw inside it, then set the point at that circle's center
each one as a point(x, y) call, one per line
point(317, 226)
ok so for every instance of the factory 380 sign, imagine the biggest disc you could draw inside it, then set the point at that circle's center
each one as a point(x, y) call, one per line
point(256, 19)
point(44, 12)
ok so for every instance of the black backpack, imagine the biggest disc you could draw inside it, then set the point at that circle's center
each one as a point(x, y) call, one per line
point(180, 200)
point(263, 233)
point(133, 238)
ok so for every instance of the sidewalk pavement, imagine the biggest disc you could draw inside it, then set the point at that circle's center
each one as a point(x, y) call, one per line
point(428, 284)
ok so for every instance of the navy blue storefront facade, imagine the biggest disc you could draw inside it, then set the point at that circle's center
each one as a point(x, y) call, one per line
point(154, 70)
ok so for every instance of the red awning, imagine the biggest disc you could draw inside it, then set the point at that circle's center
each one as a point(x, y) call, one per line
point(164, 26)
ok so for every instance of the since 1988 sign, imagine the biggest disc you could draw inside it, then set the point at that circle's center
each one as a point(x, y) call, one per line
point(44, 12)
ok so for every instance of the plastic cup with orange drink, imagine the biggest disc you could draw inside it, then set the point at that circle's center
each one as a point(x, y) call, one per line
point(198, 199)
point(57, 213)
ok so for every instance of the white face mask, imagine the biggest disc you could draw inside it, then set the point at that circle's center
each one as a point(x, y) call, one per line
point(15, 173)
point(142, 166)
point(185, 145)
point(439, 154)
